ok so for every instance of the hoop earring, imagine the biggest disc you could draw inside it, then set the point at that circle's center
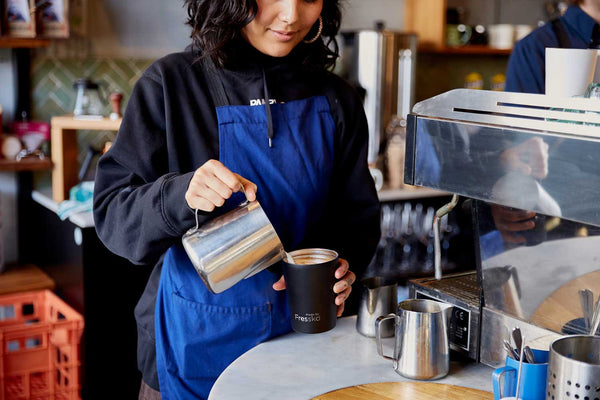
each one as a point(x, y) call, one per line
point(314, 39)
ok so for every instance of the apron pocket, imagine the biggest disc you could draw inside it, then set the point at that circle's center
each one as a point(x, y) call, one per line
point(207, 338)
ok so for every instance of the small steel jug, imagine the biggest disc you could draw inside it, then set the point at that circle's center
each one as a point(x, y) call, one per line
point(233, 246)
point(421, 348)
point(379, 296)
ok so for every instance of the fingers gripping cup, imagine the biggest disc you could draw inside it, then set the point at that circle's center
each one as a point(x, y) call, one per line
point(309, 278)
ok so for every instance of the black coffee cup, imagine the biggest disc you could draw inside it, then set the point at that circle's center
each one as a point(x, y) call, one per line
point(309, 278)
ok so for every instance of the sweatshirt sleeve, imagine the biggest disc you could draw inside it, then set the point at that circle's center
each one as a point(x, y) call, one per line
point(139, 205)
point(351, 221)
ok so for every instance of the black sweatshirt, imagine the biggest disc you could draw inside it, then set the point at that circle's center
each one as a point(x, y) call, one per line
point(169, 129)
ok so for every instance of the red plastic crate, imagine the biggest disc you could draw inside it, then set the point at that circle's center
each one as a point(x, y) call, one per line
point(39, 353)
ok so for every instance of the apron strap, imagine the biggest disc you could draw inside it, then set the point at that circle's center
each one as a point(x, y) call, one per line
point(561, 33)
point(215, 85)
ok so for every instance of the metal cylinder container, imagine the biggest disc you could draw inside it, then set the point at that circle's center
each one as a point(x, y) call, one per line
point(378, 296)
point(574, 368)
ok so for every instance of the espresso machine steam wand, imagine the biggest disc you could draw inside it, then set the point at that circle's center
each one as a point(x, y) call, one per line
point(445, 209)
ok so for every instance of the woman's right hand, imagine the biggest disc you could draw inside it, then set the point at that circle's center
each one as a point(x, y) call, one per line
point(212, 184)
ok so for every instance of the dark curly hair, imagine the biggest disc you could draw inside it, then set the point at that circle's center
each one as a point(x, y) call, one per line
point(215, 23)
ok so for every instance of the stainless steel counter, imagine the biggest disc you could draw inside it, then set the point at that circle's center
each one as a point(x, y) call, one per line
point(300, 366)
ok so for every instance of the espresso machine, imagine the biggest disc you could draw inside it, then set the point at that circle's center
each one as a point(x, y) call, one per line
point(381, 64)
point(530, 167)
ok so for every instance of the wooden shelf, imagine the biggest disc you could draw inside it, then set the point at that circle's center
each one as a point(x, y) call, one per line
point(23, 278)
point(467, 50)
point(26, 164)
point(69, 122)
point(23, 43)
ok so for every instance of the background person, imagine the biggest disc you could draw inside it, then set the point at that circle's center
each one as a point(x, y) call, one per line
point(578, 29)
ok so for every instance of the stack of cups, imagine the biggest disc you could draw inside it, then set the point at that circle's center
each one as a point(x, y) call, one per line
point(569, 71)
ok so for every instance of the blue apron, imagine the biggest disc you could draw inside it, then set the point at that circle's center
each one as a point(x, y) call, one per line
point(198, 334)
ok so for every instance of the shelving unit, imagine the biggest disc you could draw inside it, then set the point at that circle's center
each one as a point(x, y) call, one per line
point(63, 131)
point(467, 50)
point(26, 164)
point(427, 18)
point(20, 43)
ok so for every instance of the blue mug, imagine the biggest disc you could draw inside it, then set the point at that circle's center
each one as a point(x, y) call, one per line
point(532, 385)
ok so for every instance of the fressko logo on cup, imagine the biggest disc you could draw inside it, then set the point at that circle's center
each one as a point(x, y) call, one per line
point(309, 278)
point(315, 317)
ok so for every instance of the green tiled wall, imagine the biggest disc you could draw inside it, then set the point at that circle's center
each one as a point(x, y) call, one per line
point(53, 93)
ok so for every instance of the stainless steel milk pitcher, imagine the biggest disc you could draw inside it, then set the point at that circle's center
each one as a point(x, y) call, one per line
point(379, 296)
point(421, 347)
point(233, 246)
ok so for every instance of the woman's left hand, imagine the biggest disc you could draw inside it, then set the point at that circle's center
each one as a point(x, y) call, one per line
point(343, 287)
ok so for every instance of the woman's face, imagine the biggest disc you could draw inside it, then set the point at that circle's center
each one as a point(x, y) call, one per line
point(280, 25)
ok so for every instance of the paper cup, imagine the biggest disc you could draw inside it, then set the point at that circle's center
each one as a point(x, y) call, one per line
point(569, 71)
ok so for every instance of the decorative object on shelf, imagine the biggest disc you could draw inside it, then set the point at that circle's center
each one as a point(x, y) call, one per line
point(115, 100)
point(501, 36)
point(80, 200)
point(474, 80)
point(20, 18)
point(88, 104)
point(35, 136)
point(11, 146)
point(498, 82)
point(53, 18)
point(458, 35)
point(479, 36)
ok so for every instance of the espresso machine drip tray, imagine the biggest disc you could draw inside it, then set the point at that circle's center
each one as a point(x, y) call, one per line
point(462, 291)
point(461, 286)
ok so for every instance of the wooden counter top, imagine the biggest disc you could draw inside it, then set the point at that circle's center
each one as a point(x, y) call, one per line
point(23, 278)
point(563, 305)
point(406, 390)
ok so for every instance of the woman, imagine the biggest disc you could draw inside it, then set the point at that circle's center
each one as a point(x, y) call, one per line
point(250, 103)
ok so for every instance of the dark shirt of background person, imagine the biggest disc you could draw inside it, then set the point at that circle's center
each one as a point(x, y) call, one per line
point(527, 63)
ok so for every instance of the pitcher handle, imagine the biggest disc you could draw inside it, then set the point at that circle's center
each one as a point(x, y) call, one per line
point(496, 375)
point(378, 334)
point(242, 204)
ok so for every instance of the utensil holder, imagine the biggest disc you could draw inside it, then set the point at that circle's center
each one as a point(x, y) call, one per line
point(574, 368)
